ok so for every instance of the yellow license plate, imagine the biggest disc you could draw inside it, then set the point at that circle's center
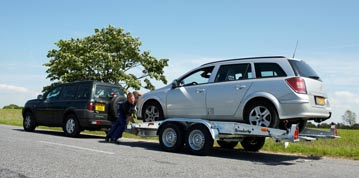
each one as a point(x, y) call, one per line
point(100, 107)
point(320, 100)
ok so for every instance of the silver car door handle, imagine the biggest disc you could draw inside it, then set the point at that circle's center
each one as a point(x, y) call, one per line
point(240, 87)
point(200, 90)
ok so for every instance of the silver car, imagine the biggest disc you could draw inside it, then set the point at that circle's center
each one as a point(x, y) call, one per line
point(272, 91)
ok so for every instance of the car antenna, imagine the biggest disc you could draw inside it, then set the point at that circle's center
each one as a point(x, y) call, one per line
point(295, 49)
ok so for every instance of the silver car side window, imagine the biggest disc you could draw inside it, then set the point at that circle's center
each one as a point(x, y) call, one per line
point(200, 76)
point(233, 72)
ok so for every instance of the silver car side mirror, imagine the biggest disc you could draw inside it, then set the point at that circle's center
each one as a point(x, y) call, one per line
point(175, 84)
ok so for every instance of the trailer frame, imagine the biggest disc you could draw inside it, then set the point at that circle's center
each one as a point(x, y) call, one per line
point(198, 135)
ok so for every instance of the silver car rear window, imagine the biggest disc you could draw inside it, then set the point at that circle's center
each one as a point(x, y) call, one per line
point(303, 69)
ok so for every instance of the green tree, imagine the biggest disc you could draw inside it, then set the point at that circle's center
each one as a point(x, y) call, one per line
point(110, 55)
point(12, 106)
point(323, 125)
point(349, 118)
point(310, 125)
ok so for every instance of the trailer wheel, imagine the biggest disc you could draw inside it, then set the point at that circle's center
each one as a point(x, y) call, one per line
point(198, 139)
point(301, 125)
point(253, 143)
point(171, 137)
point(227, 144)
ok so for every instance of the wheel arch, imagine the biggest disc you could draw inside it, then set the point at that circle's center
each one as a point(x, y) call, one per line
point(261, 96)
point(181, 125)
point(154, 100)
point(25, 110)
point(68, 112)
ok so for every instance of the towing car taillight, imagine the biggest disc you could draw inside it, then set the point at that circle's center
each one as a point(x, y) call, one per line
point(91, 106)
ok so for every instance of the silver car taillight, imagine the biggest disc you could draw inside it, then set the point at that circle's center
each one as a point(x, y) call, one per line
point(297, 84)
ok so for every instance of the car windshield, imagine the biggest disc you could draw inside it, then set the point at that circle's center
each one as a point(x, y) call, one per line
point(103, 91)
point(303, 69)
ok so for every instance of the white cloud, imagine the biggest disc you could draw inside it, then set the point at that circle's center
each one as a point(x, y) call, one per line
point(12, 88)
point(11, 94)
point(346, 98)
point(347, 95)
point(342, 101)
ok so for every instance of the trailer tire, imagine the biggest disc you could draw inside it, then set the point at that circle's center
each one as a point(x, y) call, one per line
point(198, 140)
point(171, 137)
point(301, 125)
point(227, 144)
point(253, 143)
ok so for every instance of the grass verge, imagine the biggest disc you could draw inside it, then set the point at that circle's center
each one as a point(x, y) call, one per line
point(345, 147)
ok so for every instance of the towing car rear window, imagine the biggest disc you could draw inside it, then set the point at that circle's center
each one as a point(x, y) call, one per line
point(103, 91)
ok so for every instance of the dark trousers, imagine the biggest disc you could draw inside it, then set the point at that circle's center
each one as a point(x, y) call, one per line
point(117, 128)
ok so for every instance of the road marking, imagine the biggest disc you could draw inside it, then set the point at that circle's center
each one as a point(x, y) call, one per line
point(77, 147)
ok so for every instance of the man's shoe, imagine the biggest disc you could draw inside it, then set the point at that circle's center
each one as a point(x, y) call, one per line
point(107, 139)
point(114, 141)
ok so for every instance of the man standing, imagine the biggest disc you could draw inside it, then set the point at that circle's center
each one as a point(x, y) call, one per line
point(125, 110)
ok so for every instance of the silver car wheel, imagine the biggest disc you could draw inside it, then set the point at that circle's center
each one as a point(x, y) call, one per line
point(260, 116)
point(169, 138)
point(152, 113)
point(196, 139)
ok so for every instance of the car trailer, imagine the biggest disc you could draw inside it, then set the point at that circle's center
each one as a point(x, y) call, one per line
point(198, 135)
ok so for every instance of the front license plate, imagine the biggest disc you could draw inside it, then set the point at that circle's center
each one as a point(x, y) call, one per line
point(100, 107)
point(319, 100)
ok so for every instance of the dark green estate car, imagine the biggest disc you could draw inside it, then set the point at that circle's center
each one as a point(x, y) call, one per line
point(75, 106)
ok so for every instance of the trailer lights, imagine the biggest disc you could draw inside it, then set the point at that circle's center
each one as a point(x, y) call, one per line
point(296, 133)
point(264, 129)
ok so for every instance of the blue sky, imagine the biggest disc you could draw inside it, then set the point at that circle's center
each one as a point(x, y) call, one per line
point(189, 33)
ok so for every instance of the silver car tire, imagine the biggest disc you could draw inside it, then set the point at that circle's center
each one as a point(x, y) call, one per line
point(152, 111)
point(261, 113)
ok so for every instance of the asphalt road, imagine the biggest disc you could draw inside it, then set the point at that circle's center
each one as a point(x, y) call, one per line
point(51, 154)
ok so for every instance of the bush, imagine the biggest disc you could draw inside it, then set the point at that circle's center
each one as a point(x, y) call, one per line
point(12, 106)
